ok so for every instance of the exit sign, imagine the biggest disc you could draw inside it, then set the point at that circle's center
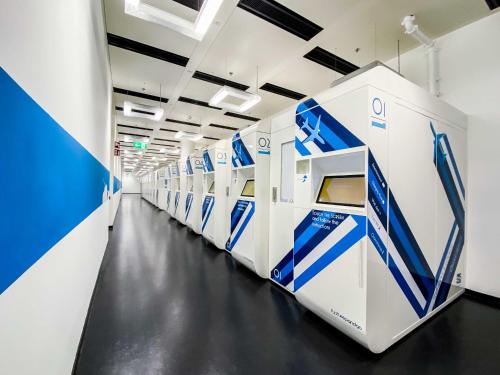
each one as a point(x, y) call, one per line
point(140, 145)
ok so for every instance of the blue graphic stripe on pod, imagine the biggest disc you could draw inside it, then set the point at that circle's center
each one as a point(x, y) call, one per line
point(304, 246)
point(405, 288)
point(450, 188)
point(46, 192)
point(306, 105)
point(301, 149)
point(396, 273)
point(377, 190)
point(333, 126)
point(243, 226)
point(375, 239)
point(283, 276)
point(209, 211)
point(453, 195)
point(349, 240)
point(189, 202)
point(282, 273)
point(237, 212)
point(240, 152)
point(454, 164)
point(207, 162)
point(442, 264)
point(189, 167)
point(450, 269)
point(176, 202)
point(331, 140)
point(373, 199)
point(303, 225)
point(204, 207)
point(408, 249)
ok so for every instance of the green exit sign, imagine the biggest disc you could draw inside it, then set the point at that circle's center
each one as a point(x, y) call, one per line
point(140, 145)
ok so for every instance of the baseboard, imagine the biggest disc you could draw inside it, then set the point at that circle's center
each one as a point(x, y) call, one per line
point(91, 305)
point(483, 298)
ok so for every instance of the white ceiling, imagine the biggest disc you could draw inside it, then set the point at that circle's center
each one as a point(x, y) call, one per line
point(246, 49)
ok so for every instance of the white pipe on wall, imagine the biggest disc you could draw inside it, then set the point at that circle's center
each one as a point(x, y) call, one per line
point(431, 49)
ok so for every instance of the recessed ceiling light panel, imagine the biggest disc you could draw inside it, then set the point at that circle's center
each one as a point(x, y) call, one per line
point(195, 30)
point(141, 110)
point(189, 136)
point(248, 99)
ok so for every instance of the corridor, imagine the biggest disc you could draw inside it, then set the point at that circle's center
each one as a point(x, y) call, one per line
point(167, 303)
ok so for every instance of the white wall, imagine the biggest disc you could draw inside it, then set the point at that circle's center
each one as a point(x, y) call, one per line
point(131, 185)
point(57, 52)
point(115, 163)
point(116, 196)
point(470, 81)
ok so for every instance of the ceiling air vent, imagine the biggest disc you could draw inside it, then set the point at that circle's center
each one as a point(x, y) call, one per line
point(244, 117)
point(218, 80)
point(493, 4)
point(139, 95)
point(279, 15)
point(282, 91)
point(331, 61)
point(196, 102)
point(167, 140)
point(222, 127)
point(182, 122)
point(134, 127)
point(193, 4)
point(144, 49)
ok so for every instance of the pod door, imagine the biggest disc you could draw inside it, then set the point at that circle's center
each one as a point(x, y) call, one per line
point(281, 208)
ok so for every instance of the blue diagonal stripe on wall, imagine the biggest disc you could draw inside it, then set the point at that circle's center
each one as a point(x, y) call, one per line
point(51, 183)
point(117, 184)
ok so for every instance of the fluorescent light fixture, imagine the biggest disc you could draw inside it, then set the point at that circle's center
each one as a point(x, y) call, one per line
point(127, 152)
point(162, 149)
point(174, 151)
point(189, 136)
point(154, 158)
point(249, 99)
point(145, 140)
point(195, 30)
point(127, 139)
point(144, 111)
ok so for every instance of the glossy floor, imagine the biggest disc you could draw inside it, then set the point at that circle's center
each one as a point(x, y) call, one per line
point(166, 303)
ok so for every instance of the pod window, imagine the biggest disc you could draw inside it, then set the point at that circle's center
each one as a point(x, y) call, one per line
point(343, 190)
point(211, 190)
point(248, 189)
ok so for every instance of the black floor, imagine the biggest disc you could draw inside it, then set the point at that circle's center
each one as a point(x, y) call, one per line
point(166, 303)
